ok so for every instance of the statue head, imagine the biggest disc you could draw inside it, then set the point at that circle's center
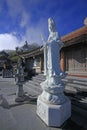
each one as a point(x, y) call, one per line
point(51, 25)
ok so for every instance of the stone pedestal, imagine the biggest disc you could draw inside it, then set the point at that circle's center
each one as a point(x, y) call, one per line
point(20, 93)
point(53, 107)
point(53, 115)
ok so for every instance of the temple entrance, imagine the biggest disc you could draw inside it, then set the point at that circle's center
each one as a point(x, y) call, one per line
point(76, 59)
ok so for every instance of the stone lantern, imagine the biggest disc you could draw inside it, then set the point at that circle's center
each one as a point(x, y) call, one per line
point(20, 81)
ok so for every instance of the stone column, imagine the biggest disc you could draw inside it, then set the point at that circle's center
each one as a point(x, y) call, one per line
point(45, 60)
point(40, 64)
point(62, 61)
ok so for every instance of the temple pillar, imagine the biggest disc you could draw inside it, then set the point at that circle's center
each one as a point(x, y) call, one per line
point(62, 61)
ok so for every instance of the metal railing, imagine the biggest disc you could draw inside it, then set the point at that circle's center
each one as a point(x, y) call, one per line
point(7, 73)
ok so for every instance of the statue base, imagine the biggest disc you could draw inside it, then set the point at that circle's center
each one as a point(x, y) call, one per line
point(19, 99)
point(19, 94)
point(53, 115)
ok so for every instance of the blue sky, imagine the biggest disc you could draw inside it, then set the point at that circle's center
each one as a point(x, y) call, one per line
point(22, 20)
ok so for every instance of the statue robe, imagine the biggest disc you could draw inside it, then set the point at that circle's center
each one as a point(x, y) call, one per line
point(54, 45)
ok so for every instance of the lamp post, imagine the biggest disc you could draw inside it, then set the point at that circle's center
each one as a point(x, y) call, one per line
point(20, 80)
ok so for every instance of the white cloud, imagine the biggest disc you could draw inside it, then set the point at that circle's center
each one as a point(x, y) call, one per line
point(17, 10)
point(25, 18)
point(33, 33)
point(8, 41)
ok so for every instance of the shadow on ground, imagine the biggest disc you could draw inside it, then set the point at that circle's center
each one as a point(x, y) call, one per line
point(70, 125)
point(7, 104)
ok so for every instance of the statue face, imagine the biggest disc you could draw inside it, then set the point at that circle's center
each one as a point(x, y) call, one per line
point(51, 25)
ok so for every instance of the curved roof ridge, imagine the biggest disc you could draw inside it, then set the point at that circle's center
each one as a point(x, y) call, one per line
point(76, 33)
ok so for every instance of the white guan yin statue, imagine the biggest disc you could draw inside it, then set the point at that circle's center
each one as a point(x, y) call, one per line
point(53, 107)
point(52, 87)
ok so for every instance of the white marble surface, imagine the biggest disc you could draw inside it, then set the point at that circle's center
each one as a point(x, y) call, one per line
point(53, 84)
point(52, 50)
point(53, 115)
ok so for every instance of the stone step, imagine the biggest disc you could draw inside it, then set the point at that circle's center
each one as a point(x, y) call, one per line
point(84, 83)
point(34, 87)
point(41, 75)
point(31, 90)
point(80, 82)
point(71, 85)
point(37, 87)
point(77, 81)
point(35, 83)
point(76, 78)
point(70, 89)
point(76, 86)
point(38, 79)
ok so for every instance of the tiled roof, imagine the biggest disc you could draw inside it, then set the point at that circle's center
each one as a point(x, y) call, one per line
point(69, 39)
point(33, 52)
point(75, 34)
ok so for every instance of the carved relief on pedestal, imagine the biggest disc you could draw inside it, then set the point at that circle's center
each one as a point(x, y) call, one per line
point(42, 111)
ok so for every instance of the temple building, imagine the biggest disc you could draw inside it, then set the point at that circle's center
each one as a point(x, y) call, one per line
point(73, 58)
point(74, 53)
point(5, 62)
